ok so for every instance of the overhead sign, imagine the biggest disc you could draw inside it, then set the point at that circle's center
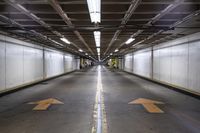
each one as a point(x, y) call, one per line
point(44, 104)
point(148, 104)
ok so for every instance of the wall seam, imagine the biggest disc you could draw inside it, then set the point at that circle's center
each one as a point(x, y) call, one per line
point(152, 61)
point(188, 63)
point(5, 62)
point(23, 63)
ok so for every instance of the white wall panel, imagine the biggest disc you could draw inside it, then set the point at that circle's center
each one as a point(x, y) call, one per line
point(165, 64)
point(176, 62)
point(179, 72)
point(194, 66)
point(156, 64)
point(33, 66)
point(14, 65)
point(74, 63)
point(29, 64)
point(54, 63)
point(77, 63)
point(2, 65)
point(22, 62)
point(142, 63)
point(69, 64)
point(39, 64)
point(128, 62)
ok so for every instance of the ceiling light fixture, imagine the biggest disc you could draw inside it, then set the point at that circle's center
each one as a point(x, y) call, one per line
point(65, 40)
point(97, 37)
point(116, 50)
point(130, 40)
point(80, 50)
point(99, 57)
point(94, 10)
point(98, 50)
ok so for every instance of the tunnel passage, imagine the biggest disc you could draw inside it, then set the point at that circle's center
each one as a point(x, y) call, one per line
point(99, 66)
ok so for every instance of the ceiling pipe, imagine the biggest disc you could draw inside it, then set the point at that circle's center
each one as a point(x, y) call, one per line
point(57, 7)
point(33, 17)
point(190, 16)
point(130, 11)
point(156, 18)
point(103, 3)
point(33, 32)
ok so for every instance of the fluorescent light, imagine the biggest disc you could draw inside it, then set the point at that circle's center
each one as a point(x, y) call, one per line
point(56, 42)
point(97, 37)
point(129, 40)
point(80, 50)
point(111, 53)
point(65, 40)
point(98, 50)
point(86, 53)
point(116, 50)
point(99, 57)
point(94, 7)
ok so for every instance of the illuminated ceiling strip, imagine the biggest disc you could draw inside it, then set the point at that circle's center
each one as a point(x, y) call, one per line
point(97, 37)
point(94, 10)
point(130, 40)
point(65, 40)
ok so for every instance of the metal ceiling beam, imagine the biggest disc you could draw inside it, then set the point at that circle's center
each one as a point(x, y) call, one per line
point(33, 32)
point(34, 17)
point(88, 20)
point(86, 12)
point(187, 18)
point(67, 20)
point(103, 3)
point(168, 9)
point(130, 11)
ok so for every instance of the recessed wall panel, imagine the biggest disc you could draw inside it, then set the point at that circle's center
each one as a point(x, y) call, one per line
point(194, 66)
point(68, 63)
point(179, 72)
point(128, 62)
point(142, 63)
point(156, 64)
point(39, 64)
point(14, 65)
point(33, 64)
point(29, 64)
point(54, 63)
point(2, 65)
point(165, 64)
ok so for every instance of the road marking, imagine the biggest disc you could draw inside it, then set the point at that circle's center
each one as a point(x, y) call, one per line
point(44, 104)
point(99, 114)
point(148, 104)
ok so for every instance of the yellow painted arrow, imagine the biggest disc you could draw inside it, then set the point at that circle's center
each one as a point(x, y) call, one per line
point(148, 104)
point(44, 104)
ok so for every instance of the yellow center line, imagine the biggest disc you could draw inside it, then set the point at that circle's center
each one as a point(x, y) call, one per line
point(99, 114)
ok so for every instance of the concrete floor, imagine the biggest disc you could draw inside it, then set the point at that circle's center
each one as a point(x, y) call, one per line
point(78, 90)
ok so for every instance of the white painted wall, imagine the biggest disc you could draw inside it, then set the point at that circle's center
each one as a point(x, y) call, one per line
point(175, 62)
point(14, 65)
point(33, 64)
point(194, 66)
point(54, 63)
point(142, 63)
point(2, 65)
point(69, 63)
point(128, 62)
point(22, 63)
point(162, 64)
